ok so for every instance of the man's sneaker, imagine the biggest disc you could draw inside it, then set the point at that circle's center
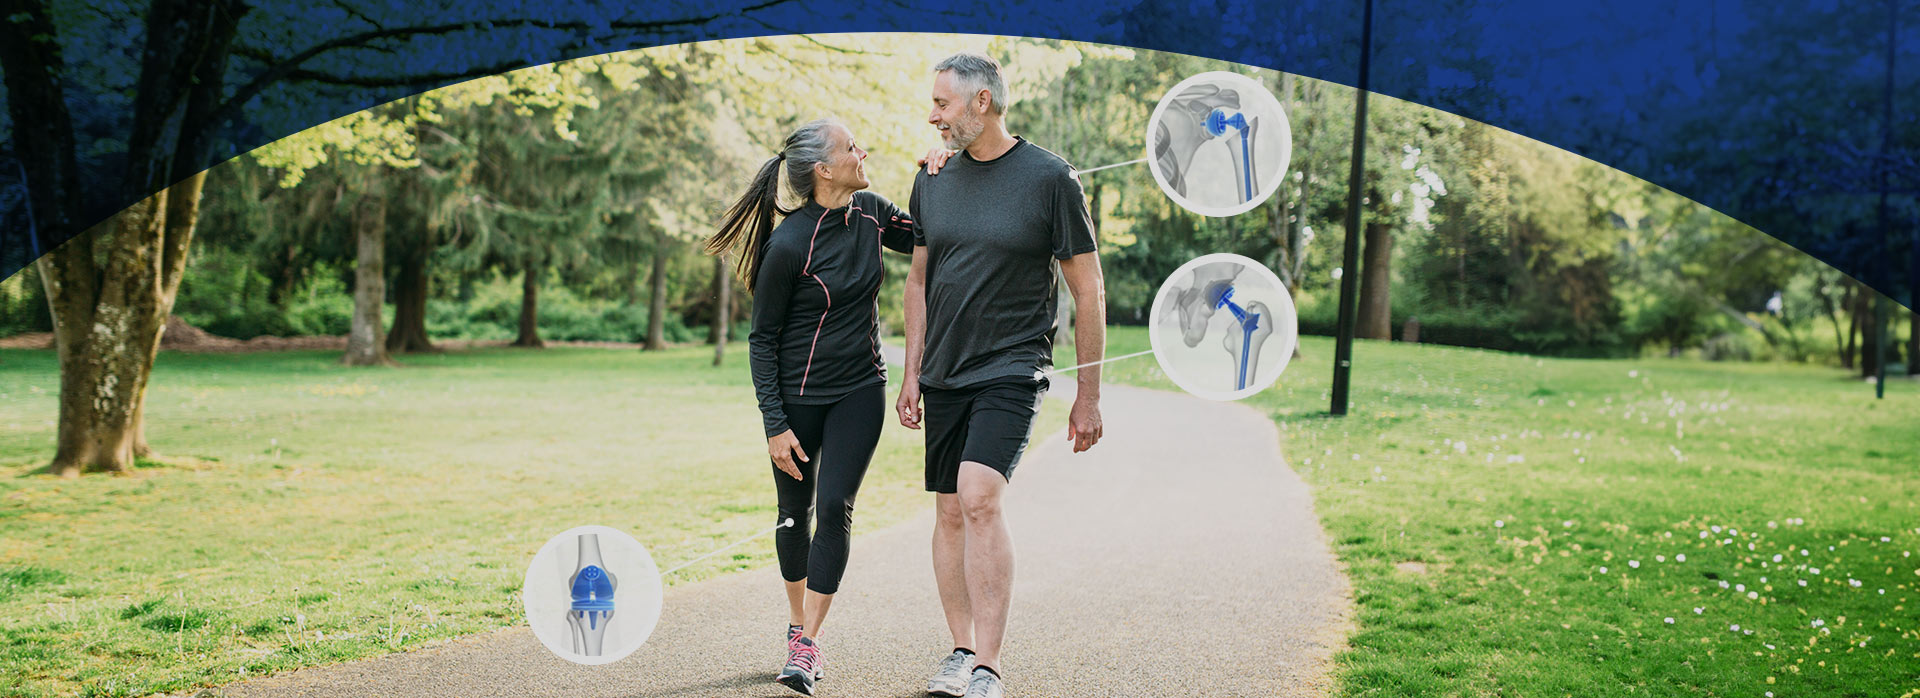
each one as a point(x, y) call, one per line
point(951, 678)
point(984, 684)
point(803, 659)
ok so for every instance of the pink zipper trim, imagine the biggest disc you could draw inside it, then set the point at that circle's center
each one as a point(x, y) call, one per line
point(805, 270)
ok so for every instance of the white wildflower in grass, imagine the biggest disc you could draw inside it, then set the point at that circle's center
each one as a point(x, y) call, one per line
point(1804, 553)
point(1603, 570)
point(1855, 583)
point(1566, 524)
point(1682, 557)
point(1703, 535)
point(1634, 564)
point(1739, 587)
point(1669, 620)
point(1803, 582)
point(1815, 570)
point(1735, 627)
point(1724, 584)
point(1885, 539)
point(1818, 622)
point(1776, 558)
point(1697, 610)
point(1753, 595)
point(1633, 374)
point(1497, 523)
point(1717, 529)
point(1659, 558)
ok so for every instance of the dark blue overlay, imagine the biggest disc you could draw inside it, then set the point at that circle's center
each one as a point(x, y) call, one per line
point(1771, 112)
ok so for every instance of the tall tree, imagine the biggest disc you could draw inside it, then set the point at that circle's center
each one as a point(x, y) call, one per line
point(110, 294)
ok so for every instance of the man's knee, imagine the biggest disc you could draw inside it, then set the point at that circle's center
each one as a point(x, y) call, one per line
point(949, 512)
point(980, 489)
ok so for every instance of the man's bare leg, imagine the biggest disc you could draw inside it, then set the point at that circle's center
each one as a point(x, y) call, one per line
point(989, 558)
point(950, 567)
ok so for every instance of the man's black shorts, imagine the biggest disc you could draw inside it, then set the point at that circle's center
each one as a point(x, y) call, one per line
point(988, 424)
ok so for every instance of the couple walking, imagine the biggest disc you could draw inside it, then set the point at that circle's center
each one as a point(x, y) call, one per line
point(987, 220)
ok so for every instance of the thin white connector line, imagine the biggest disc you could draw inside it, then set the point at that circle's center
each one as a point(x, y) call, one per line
point(1077, 173)
point(684, 565)
point(1096, 363)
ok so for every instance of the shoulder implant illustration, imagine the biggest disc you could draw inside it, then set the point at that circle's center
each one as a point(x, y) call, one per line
point(1197, 116)
point(591, 587)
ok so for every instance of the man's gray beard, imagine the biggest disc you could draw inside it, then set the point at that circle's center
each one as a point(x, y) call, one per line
point(958, 137)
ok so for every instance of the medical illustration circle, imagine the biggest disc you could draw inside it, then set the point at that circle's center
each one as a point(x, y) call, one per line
point(592, 595)
point(1218, 144)
point(1223, 327)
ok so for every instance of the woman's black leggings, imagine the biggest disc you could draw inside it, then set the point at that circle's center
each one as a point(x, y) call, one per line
point(839, 438)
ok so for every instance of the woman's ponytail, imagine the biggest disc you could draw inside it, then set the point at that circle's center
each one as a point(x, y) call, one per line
point(750, 221)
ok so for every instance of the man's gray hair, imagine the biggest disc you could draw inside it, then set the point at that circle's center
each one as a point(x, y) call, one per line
point(978, 72)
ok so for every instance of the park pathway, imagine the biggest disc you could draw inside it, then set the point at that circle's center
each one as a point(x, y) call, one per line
point(1179, 557)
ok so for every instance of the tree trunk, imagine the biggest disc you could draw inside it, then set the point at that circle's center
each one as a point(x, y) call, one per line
point(657, 302)
point(366, 341)
point(530, 309)
point(1852, 303)
point(409, 333)
point(1376, 307)
point(108, 322)
point(722, 308)
point(1870, 333)
point(1913, 343)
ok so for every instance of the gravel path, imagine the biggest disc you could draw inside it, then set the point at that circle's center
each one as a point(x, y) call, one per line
point(1179, 557)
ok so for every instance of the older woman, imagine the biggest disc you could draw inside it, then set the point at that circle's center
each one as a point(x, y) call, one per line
point(815, 350)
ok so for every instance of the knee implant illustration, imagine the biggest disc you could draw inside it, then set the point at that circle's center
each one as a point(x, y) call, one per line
point(1212, 290)
point(1200, 115)
point(591, 587)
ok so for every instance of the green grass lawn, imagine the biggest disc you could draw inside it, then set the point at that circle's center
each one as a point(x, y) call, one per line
point(1517, 526)
point(306, 513)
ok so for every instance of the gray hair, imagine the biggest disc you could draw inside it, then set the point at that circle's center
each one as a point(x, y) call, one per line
point(808, 145)
point(978, 72)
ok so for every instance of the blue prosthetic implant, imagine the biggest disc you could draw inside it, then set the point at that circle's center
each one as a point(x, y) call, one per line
point(1182, 131)
point(1249, 322)
point(1217, 123)
point(1195, 305)
point(592, 589)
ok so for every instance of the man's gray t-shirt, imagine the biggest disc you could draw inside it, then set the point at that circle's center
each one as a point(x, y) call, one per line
point(992, 231)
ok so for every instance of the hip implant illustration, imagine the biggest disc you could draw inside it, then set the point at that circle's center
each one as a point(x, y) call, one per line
point(592, 589)
point(1210, 291)
point(1199, 115)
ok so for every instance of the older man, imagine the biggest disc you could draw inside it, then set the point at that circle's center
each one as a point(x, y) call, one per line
point(980, 320)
